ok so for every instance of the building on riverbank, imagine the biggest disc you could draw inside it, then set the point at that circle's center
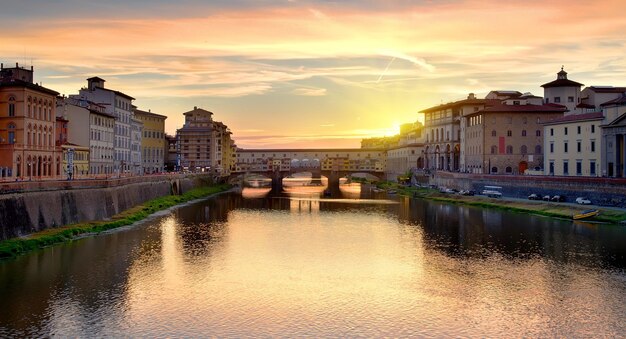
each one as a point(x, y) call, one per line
point(118, 105)
point(204, 145)
point(507, 136)
point(27, 127)
point(99, 136)
point(153, 144)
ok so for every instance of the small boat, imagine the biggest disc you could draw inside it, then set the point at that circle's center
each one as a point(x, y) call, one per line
point(586, 214)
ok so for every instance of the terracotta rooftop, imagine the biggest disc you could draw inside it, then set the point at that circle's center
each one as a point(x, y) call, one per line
point(577, 117)
point(21, 83)
point(562, 83)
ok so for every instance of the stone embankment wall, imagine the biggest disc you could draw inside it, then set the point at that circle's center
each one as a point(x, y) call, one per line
point(601, 191)
point(38, 209)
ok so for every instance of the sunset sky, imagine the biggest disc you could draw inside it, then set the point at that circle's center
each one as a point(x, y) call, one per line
point(299, 73)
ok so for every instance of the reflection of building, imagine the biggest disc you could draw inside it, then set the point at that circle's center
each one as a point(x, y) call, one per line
point(27, 126)
point(153, 146)
point(119, 105)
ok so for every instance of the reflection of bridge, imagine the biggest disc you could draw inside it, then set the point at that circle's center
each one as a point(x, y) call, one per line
point(331, 163)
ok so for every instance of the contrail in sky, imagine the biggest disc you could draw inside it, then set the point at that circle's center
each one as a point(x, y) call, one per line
point(385, 71)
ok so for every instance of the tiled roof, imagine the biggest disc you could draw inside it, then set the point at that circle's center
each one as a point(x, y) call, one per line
point(607, 89)
point(577, 117)
point(456, 104)
point(562, 83)
point(621, 100)
point(21, 83)
point(502, 108)
point(117, 92)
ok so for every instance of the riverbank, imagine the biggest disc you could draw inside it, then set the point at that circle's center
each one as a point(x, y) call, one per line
point(13, 247)
point(548, 209)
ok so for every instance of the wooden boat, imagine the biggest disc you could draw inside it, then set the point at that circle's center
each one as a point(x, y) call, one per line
point(586, 214)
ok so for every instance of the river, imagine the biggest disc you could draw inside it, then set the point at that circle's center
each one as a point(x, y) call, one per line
point(285, 266)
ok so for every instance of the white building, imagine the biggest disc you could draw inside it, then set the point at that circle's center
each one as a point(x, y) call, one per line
point(99, 137)
point(572, 145)
point(136, 130)
point(119, 105)
point(563, 91)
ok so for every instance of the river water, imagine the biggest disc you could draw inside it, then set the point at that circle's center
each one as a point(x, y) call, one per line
point(299, 267)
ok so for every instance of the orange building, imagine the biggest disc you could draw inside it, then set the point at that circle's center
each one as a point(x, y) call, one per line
point(27, 127)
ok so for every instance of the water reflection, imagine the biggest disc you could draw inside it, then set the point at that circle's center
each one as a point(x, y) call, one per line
point(311, 266)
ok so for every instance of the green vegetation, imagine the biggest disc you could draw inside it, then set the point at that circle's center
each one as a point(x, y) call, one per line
point(12, 247)
point(547, 209)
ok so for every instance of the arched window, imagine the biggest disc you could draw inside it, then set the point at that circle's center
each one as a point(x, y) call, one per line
point(509, 169)
point(494, 149)
point(509, 149)
point(11, 106)
point(523, 132)
point(509, 133)
point(493, 133)
point(494, 169)
point(538, 149)
point(524, 150)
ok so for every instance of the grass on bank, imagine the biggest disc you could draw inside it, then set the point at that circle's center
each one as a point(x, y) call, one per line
point(539, 208)
point(13, 247)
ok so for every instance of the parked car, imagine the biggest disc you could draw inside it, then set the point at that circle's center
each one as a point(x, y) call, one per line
point(468, 192)
point(558, 198)
point(546, 198)
point(583, 201)
point(533, 197)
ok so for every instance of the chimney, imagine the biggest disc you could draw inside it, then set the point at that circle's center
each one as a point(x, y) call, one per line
point(471, 96)
point(195, 108)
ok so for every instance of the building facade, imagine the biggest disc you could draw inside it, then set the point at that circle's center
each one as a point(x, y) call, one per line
point(99, 137)
point(153, 144)
point(136, 132)
point(563, 91)
point(27, 127)
point(118, 105)
point(204, 144)
point(507, 136)
point(572, 145)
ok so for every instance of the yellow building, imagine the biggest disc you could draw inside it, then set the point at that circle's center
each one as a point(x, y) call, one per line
point(75, 161)
point(153, 150)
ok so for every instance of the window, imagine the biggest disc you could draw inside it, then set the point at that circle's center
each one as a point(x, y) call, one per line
point(565, 167)
point(593, 128)
point(592, 167)
point(11, 128)
point(494, 149)
point(570, 99)
point(578, 146)
point(494, 170)
point(557, 99)
point(524, 133)
point(565, 130)
point(493, 133)
point(509, 149)
point(509, 169)
point(538, 149)
point(538, 133)
point(509, 133)
point(565, 146)
point(524, 149)
point(551, 167)
point(516, 102)
point(11, 106)
point(593, 145)
point(551, 147)
point(551, 132)
point(578, 129)
point(579, 167)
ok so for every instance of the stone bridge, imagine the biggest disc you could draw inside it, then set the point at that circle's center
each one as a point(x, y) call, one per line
point(331, 163)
